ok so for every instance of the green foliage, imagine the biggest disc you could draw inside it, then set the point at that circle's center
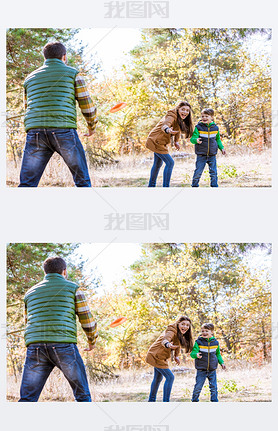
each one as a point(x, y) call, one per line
point(227, 386)
point(229, 171)
point(24, 50)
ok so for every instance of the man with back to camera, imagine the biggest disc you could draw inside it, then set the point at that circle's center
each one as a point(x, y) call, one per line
point(50, 119)
point(51, 307)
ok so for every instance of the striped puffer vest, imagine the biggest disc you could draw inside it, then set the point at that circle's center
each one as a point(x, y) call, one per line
point(209, 360)
point(51, 96)
point(207, 133)
point(51, 311)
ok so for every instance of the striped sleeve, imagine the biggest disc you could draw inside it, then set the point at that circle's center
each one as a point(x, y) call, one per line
point(85, 102)
point(85, 317)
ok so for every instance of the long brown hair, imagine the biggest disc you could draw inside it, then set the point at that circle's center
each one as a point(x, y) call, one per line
point(186, 125)
point(186, 340)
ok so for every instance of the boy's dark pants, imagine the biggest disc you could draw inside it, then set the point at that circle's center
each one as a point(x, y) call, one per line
point(200, 380)
point(200, 166)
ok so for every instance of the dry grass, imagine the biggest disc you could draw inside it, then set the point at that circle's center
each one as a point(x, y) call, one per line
point(240, 168)
point(240, 383)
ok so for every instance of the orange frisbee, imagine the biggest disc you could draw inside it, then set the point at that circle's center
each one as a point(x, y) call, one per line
point(117, 107)
point(118, 322)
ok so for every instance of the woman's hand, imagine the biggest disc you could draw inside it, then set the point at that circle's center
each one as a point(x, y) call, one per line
point(177, 145)
point(177, 360)
point(172, 346)
point(199, 355)
point(199, 141)
point(170, 131)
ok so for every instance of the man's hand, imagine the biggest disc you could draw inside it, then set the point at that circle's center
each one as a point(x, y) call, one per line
point(223, 152)
point(177, 145)
point(177, 360)
point(90, 133)
point(90, 347)
point(199, 141)
point(223, 366)
point(199, 355)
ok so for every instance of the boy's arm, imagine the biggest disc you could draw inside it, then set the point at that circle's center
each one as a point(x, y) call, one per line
point(218, 140)
point(85, 317)
point(195, 136)
point(195, 350)
point(218, 355)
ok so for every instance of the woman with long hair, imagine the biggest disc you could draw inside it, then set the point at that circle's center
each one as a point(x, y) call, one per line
point(177, 121)
point(176, 336)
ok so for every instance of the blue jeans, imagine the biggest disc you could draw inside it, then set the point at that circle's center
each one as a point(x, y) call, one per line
point(159, 373)
point(41, 144)
point(200, 380)
point(41, 358)
point(157, 163)
point(200, 166)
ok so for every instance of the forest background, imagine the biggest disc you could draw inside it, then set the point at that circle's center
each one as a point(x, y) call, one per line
point(220, 68)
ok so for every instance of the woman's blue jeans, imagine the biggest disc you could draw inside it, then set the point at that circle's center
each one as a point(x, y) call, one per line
point(159, 373)
point(200, 166)
point(201, 377)
point(41, 358)
point(158, 162)
point(41, 144)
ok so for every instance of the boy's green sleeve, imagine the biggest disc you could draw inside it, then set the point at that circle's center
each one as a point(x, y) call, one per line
point(195, 350)
point(219, 357)
point(195, 136)
point(218, 140)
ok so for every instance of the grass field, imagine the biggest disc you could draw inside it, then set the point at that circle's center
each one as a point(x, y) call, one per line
point(241, 168)
point(240, 383)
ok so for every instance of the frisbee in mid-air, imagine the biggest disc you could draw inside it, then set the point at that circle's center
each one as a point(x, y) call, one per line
point(117, 107)
point(118, 322)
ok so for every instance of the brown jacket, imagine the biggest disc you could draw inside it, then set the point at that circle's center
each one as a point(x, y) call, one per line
point(158, 354)
point(158, 140)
